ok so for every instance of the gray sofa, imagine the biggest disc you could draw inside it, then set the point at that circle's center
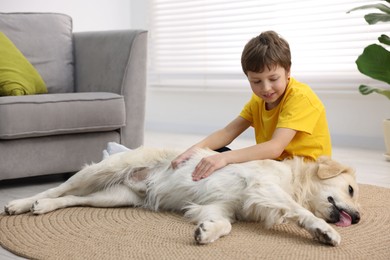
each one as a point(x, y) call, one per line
point(96, 94)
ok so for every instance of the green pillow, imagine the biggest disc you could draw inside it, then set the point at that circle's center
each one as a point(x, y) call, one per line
point(17, 75)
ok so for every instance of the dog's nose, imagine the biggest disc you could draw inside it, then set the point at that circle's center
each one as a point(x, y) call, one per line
point(355, 218)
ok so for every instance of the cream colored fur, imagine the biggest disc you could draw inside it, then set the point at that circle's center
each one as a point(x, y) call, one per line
point(271, 192)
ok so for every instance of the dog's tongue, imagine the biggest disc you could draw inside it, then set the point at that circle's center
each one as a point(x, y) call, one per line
point(345, 219)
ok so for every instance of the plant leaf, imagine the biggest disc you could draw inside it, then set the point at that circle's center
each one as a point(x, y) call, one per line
point(384, 39)
point(373, 18)
point(366, 90)
point(382, 7)
point(374, 62)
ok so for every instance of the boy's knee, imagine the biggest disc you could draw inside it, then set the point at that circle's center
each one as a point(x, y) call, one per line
point(223, 149)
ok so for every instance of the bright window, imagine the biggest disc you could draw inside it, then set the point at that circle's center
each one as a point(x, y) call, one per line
point(198, 43)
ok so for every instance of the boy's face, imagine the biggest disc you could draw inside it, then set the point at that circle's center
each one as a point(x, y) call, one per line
point(269, 85)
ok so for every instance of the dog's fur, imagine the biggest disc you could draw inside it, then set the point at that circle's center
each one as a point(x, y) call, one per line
point(307, 193)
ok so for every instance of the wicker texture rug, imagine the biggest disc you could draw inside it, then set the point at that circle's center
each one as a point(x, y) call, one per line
point(128, 233)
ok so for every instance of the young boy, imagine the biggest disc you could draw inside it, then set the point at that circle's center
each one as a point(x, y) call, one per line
point(287, 116)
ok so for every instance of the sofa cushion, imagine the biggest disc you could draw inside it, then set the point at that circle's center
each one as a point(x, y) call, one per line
point(17, 75)
point(45, 39)
point(66, 113)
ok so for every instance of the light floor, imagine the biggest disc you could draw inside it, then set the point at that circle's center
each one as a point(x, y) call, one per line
point(370, 165)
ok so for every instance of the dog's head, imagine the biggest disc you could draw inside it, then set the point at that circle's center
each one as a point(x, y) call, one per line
point(335, 194)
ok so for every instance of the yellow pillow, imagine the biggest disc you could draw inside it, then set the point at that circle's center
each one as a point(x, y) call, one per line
point(17, 75)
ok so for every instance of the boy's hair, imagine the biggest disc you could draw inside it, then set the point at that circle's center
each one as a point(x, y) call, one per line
point(267, 49)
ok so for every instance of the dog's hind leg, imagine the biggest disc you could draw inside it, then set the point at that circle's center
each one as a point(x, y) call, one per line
point(87, 180)
point(116, 196)
point(213, 221)
point(20, 206)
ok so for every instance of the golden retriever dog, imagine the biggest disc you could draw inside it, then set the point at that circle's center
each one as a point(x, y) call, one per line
point(267, 191)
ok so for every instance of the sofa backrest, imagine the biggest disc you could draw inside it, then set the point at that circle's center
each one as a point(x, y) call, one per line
point(45, 39)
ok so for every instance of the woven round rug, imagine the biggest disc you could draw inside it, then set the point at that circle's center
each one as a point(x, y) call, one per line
point(134, 233)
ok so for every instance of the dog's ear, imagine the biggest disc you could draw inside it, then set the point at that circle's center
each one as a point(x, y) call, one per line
point(327, 168)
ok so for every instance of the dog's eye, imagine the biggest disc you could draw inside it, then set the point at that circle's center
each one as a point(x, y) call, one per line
point(350, 190)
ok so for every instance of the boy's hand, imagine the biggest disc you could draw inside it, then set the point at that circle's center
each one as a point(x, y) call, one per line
point(208, 165)
point(182, 157)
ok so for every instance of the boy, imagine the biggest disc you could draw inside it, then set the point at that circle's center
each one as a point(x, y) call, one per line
point(287, 116)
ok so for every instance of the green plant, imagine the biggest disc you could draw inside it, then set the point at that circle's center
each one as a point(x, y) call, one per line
point(375, 59)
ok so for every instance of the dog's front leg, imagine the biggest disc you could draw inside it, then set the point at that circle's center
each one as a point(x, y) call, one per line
point(210, 230)
point(213, 221)
point(317, 227)
point(272, 205)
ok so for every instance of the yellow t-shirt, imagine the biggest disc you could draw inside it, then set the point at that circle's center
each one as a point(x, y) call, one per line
point(301, 110)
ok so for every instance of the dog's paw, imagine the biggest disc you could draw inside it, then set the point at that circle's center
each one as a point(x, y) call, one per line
point(329, 237)
point(209, 231)
point(204, 233)
point(43, 206)
point(326, 234)
point(16, 207)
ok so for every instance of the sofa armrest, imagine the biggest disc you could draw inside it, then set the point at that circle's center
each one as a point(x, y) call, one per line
point(115, 61)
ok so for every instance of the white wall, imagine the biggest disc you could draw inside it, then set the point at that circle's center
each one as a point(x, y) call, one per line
point(87, 15)
point(354, 120)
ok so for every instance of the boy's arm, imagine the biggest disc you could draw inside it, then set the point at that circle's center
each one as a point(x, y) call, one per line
point(216, 140)
point(271, 149)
